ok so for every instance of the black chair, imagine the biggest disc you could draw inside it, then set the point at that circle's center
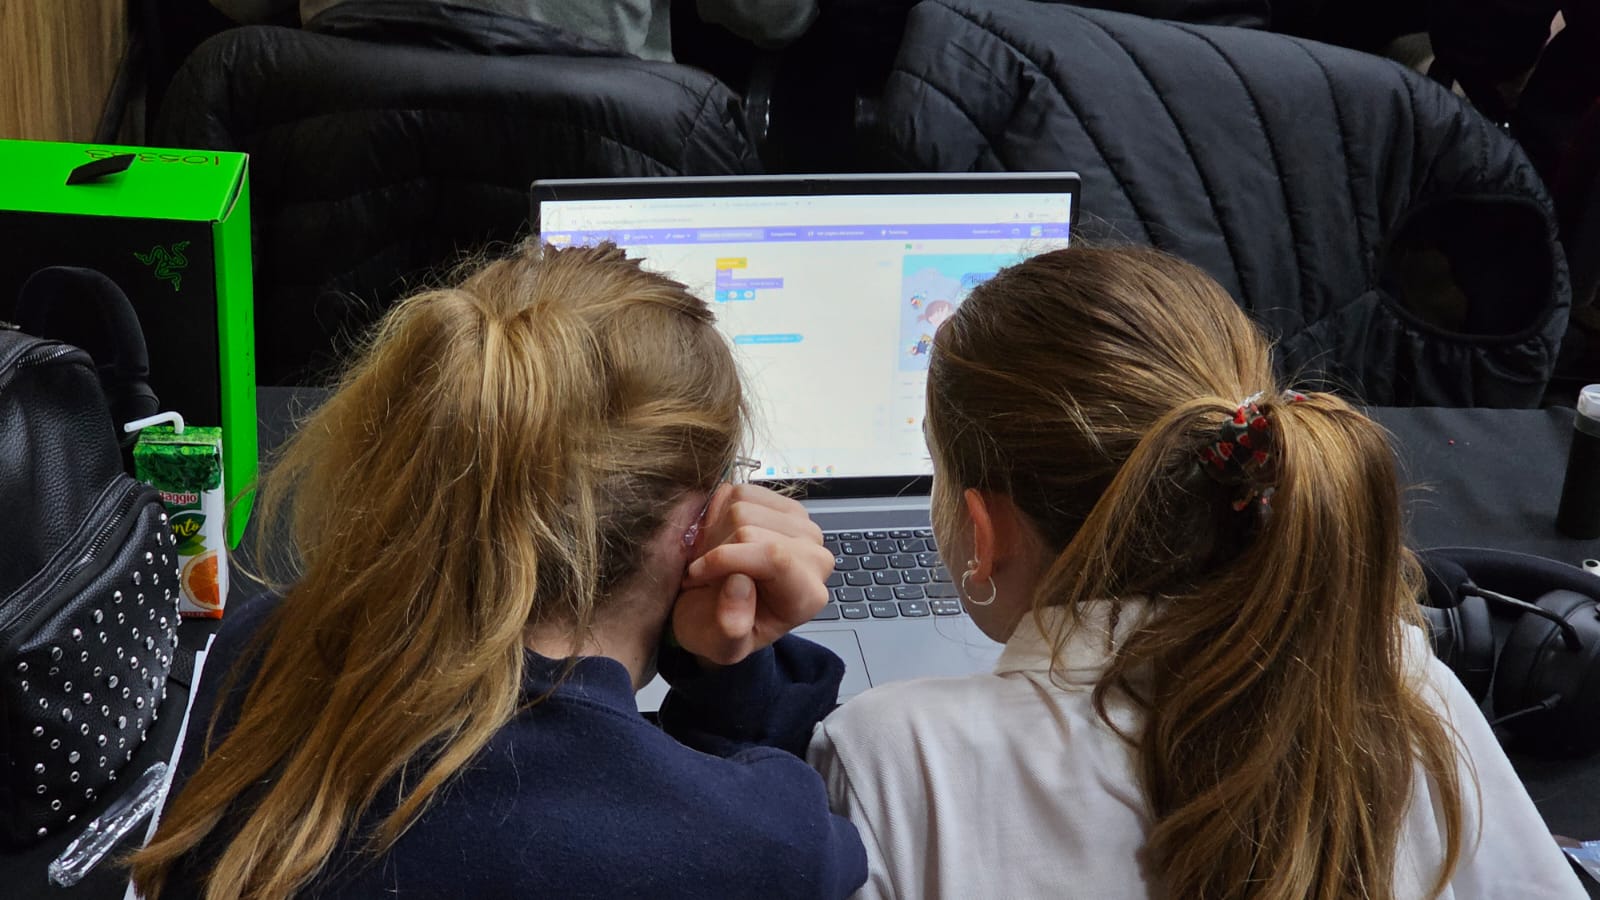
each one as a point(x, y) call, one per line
point(1395, 243)
point(390, 139)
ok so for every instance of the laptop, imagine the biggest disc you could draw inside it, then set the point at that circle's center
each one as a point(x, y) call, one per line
point(830, 290)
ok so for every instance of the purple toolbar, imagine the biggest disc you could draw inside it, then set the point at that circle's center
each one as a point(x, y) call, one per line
point(993, 230)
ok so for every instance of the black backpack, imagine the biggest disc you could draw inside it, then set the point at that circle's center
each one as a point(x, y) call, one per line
point(88, 592)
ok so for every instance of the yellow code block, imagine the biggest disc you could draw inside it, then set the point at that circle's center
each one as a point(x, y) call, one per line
point(727, 263)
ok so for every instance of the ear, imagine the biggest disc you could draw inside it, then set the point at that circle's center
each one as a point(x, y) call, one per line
point(983, 533)
point(1000, 534)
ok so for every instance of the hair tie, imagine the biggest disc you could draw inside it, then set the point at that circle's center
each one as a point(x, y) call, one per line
point(1243, 448)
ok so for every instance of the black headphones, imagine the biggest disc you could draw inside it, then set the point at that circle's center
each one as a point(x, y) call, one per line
point(1546, 679)
point(85, 308)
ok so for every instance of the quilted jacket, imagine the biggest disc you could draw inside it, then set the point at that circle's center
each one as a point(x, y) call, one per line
point(1394, 243)
point(399, 137)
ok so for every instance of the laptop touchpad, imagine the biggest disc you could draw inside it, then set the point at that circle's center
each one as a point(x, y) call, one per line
point(844, 645)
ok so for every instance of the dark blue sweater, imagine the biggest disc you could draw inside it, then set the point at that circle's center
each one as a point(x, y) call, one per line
point(580, 796)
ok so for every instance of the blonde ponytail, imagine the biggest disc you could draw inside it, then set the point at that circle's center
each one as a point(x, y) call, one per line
point(493, 460)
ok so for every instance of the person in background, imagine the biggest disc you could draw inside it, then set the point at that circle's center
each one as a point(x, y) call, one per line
point(640, 28)
point(1215, 682)
point(507, 505)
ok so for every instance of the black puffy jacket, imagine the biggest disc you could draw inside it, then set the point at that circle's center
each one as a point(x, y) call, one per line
point(397, 137)
point(1393, 241)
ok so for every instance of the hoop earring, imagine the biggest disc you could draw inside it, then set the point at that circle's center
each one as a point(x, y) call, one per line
point(972, 569)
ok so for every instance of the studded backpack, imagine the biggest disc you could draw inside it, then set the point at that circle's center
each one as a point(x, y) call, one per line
point(88, 593)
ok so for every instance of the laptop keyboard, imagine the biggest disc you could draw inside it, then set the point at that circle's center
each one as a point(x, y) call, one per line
point(887, 575)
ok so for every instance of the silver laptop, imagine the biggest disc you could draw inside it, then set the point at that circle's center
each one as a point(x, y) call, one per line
point(830, 290)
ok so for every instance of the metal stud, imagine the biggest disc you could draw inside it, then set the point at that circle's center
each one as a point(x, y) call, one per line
point(116, 596)
point(166, 593)
point(88, 794)
point(44, 703)
point(102, 762)
point(150, 614)
point(22, 666)
point(66, 714)
point(105, 710)
point(137, 701)
point(121, 618)
point(55, 653)
point(164, 559)
point(55, 805)
point(71, 819)
point(137, 578)
point(38, 731)
point(101, 740)
point(112, 775)
point(124, 693)
point(136, 633)
point(120, 651)
point(54, 671)
point(83, 657)
point(87, 700)
point(72, 757)
point(149, 557)
point(84, 729)
point(155, 577)
point(99, 617)
point(133, 661)
point(130, 755)
point(42, 832)
point(140, 598)
point(55, 743)
point(98, 671)
point(163, 518)
point(73, 777)
point(24, 685)
point(102, 637)
point(39, 789)
point(77, 634)
point(112, 681)
point(122, 721)
point(150, 643)
point(163, 623)
point(66, 686)
point(122, 742)
point(38, 768)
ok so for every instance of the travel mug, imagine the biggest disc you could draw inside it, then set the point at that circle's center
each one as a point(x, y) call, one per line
point(1579, 513)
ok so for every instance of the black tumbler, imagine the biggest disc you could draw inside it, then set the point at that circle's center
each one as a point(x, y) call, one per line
point(1579, 514)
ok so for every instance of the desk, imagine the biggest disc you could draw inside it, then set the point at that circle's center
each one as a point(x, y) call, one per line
point(1476, 477)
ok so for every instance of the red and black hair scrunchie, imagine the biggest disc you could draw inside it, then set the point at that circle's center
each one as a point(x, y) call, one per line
point(1241, 455)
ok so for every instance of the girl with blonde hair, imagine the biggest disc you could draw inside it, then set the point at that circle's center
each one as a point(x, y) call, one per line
point(507, 505)
point(1214, 682)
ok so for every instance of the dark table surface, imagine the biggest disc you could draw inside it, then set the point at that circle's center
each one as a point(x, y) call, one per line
point(1475, 477)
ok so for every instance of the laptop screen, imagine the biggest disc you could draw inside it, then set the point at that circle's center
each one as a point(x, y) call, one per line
point(830, 302)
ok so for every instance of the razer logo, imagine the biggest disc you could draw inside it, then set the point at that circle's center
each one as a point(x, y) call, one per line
point(169, 263)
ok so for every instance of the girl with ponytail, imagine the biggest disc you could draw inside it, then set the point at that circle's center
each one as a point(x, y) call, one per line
point(1214, 681)
point(510, 501)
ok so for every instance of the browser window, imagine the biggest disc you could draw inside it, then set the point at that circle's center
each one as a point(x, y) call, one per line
point(831, 303)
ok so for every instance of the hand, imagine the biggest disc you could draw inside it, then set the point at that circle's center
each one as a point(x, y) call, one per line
point(762, 575)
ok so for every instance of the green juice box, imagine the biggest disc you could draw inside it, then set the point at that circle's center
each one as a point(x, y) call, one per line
point(186, 468)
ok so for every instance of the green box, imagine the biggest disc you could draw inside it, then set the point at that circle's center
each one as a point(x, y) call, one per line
point(173, 231)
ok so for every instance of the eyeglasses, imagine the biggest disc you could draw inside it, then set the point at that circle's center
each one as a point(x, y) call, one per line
point(740, 464)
